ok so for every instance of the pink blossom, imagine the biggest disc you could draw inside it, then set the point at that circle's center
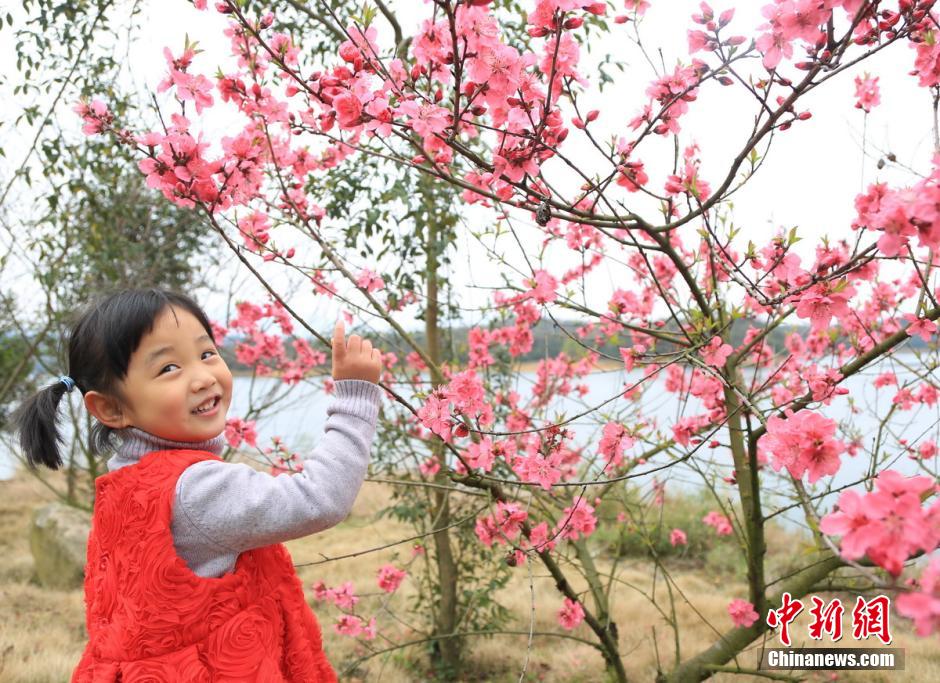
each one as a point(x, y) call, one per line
point(678, 537)
point(480, 454)
point(499, 66)
point(698, 40)
point(390, 577)
point(571, 614)
point(774, 47)
point(238, 430)
point(578, 520)
point(95, 115)
point(687, 427)
point(716, 352)
point(923, 327)
point(719, 522)
point(254, 230)
point(435, 415)
point(803, 443)
point(923, 605)
point(430, 466)
point(425, 119)
point(352, 626)
point(539, 538)
point(505, 524)
point(866, 90)
point(348, 109)
point(543, 287)
point(540, 468)
point(742, 613)
point(613, 443)
point(927, 63)
point(638, 6)
point(381, 115)
point(370, 281)
point(851, 520)
point(888, 524)
point(188, 87)
point(343, 597)
point(466, 392)
point(320, 591)
point(632, 176)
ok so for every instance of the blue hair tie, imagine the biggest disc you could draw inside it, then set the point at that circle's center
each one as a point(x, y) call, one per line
point(68, 382)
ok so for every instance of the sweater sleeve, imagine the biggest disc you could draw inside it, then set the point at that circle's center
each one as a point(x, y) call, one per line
point(232, 507)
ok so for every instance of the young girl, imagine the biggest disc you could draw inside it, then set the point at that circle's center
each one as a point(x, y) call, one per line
point(186, 578)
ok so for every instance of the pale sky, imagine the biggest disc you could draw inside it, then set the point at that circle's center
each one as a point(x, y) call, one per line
point(810, 179)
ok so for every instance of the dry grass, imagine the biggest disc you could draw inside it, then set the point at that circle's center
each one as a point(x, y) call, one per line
point(42, 631)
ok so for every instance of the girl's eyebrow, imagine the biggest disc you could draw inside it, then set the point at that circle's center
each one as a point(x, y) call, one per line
point(153, 355)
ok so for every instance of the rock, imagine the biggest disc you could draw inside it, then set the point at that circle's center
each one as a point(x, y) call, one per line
point(58, 539)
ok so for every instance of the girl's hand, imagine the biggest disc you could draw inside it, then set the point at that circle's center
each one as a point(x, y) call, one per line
point(355, 359)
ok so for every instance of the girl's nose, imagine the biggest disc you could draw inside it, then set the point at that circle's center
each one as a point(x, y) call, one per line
point(204, 379)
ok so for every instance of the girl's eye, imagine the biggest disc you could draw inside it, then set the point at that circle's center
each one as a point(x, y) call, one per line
point(174, 365)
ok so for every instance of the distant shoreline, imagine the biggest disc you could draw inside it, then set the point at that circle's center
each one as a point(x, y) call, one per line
point(603, 365)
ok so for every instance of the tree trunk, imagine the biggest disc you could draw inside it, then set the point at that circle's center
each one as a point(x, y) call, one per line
point(446, 650)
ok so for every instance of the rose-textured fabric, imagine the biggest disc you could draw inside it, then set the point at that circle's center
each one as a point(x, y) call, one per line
point(151, 618)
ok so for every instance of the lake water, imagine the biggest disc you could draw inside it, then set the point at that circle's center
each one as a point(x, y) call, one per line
point(299, 419)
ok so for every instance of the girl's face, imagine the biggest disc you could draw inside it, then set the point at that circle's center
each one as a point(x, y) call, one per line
point(175, 370)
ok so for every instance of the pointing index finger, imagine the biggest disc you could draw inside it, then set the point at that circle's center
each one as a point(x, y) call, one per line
point(339, 342)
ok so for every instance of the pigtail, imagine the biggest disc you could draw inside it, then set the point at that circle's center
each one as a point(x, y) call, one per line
point(36, 422)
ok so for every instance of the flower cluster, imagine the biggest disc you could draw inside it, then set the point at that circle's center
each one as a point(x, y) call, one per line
point(466, 394)
point(923, 603)
point(719, 522)
point(902, 214)
point(265, 351)
point(804, 442)
point(390, 578)
point(890, 524)
point(238, 430)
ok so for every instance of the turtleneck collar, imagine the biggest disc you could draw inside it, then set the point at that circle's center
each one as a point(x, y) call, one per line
point(136, 443)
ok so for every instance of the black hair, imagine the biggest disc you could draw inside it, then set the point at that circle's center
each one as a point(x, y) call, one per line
point(101, 340)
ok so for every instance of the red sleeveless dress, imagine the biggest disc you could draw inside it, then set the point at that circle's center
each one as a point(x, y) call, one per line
point(150, 618)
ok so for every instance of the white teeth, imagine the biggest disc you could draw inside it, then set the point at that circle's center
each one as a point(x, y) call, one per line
point(208, 406)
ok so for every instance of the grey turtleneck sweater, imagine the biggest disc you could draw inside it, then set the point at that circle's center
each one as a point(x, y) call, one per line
point(223, 509)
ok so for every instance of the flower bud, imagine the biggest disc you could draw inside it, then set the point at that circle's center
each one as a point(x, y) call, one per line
point(572, 23)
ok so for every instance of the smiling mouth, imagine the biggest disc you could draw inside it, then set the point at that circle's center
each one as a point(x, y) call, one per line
point(212, 406)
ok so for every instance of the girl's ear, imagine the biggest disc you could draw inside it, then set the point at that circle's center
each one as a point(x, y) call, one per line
point(105, 409)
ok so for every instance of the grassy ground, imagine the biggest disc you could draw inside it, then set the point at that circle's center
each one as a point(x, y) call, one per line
point(42, 631)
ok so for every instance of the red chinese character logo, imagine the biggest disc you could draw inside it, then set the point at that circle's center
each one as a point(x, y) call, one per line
point(828, 620)
point(783, 617)
point(871, 619)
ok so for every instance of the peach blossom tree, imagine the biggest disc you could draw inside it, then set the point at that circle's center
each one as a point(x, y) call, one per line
point(502, 119)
